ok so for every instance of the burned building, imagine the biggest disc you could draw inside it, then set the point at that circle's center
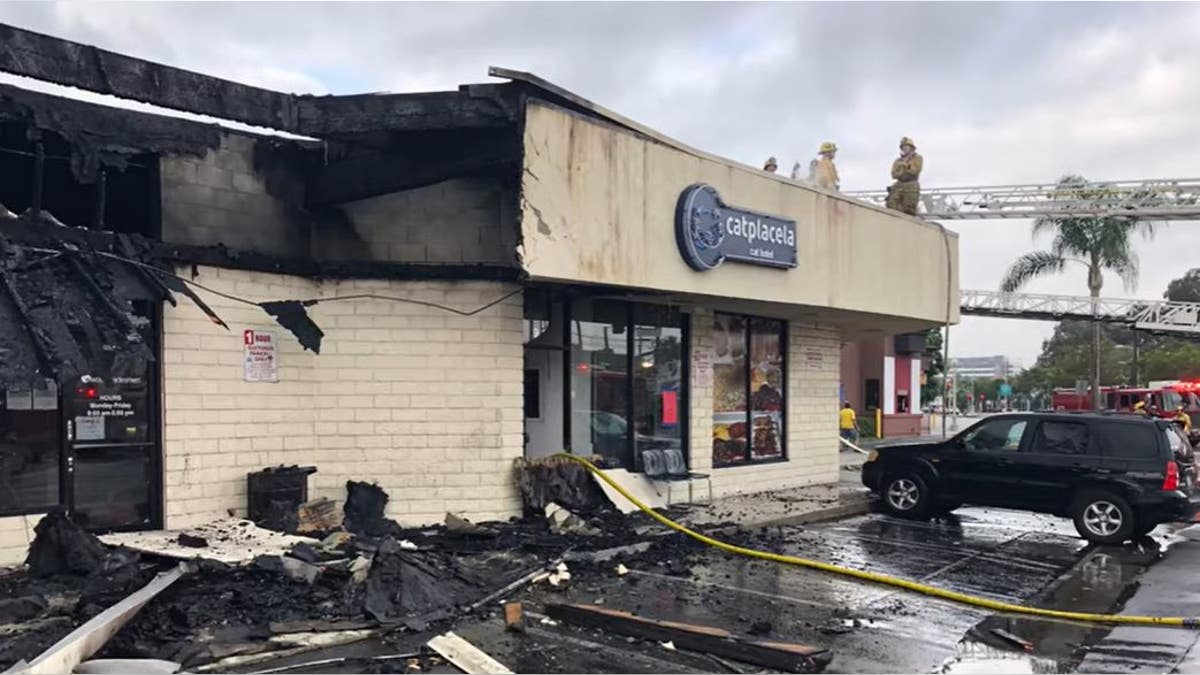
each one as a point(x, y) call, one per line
point(419, 289)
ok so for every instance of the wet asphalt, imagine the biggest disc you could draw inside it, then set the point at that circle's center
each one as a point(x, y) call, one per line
point(1005, 555)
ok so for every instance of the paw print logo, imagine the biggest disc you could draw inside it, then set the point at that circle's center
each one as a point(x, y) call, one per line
point(705, 223)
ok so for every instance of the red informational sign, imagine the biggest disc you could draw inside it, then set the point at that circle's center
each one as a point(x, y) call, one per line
point(670, 407)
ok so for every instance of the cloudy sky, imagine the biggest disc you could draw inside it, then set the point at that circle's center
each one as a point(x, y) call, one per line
point(993, 93)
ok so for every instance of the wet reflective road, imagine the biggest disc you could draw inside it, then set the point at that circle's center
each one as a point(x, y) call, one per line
point(1005, 555)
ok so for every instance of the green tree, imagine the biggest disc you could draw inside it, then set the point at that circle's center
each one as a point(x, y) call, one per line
point(1099, 243)
point(1185, 288)
point(935, 373)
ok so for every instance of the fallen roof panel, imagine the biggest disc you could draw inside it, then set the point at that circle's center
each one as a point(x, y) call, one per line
point(65, 309)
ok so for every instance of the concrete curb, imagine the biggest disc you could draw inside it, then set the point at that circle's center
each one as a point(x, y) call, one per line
point(847, 509)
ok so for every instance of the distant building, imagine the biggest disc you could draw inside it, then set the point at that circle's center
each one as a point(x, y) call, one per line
point(886, 374)
point(982, 367)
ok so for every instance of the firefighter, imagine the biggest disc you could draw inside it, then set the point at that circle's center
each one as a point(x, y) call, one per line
point(1139, 408)
point(904, 194)
point(825, 173)
point(1183, 418)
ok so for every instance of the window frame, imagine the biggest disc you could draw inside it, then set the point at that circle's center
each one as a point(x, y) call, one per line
point(1092, 448)
point(537, 384)
point(1022, 443)
point(61, 457)
point(750, 460)
point(1111, 447)
point(631, 323)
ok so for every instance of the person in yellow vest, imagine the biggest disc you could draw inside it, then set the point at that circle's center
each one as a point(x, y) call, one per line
point(1183, 418)
point(1139, 408)
point(848, 422)
point(904, 194)
point(825, 172)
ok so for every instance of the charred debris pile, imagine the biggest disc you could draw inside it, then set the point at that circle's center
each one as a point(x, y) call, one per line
point(367, 577)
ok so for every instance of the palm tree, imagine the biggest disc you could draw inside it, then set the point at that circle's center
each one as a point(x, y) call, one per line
point(1099, 243)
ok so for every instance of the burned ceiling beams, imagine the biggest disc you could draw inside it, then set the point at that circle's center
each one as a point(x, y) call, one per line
point(52, 59)
point(73, 64)
point(102, 136)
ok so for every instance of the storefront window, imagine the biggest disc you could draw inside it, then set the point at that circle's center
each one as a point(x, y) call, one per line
point(600, 380)
point(729, 390)
point(766, 388)
point(658, 341)
point(545, 355)
point(748, 389)
point(29, 449)
point(625, 369)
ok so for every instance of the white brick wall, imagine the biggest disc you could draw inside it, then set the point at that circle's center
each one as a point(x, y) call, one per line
point(814, 354)
point(15, 535)
point(422, 401)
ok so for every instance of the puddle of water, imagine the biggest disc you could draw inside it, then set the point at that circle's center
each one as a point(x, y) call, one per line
point(977, 658)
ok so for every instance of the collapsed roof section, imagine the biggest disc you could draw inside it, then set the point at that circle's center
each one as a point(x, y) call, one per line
point(69, 301)
point(103, 136)
point(67, 310)
point(67, 63)
point(66, 291)
point(367, 135)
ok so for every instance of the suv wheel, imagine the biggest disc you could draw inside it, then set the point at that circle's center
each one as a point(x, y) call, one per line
point(906, 495)
point(1104, 517)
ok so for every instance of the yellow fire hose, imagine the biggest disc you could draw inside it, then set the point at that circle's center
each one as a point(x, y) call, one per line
point(885, 579)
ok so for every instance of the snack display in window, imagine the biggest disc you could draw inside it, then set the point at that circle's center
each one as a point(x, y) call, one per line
point(767, 398)
point(748, 388)
point(766, 436)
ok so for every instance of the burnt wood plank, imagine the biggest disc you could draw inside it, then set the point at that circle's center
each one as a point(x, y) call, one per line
point(334, 115)
point(786, 656)
point(43, 57)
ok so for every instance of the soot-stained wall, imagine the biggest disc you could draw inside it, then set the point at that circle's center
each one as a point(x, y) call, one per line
point(222, 198)
point(248, 195)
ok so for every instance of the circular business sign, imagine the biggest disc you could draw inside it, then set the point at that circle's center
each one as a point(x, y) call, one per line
point(699, 229)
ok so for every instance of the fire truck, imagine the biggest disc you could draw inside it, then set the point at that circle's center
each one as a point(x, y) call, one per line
point(1161, 398)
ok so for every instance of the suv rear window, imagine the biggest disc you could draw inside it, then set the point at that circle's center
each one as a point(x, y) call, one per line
point(1133, 441)
point(1061, 438)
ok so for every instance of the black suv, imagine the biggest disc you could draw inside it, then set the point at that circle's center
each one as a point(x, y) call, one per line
point(1117, 476)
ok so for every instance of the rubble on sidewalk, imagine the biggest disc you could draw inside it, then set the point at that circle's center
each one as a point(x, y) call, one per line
point(231, 541)
point(257, 596)
point(563, 521)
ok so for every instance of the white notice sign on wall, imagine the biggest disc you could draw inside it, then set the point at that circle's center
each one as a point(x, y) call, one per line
point(261, 358)
point(702, 369)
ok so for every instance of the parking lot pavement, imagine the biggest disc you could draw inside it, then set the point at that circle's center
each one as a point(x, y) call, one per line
point(1169, 588)
point(1006, 555)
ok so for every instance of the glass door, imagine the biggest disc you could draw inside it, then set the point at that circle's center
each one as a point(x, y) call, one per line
point(111, 452)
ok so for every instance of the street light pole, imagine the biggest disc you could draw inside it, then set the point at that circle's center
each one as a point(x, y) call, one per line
point(945, 374)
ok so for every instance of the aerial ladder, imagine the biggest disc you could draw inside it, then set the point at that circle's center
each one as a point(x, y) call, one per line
point(1159, 199)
